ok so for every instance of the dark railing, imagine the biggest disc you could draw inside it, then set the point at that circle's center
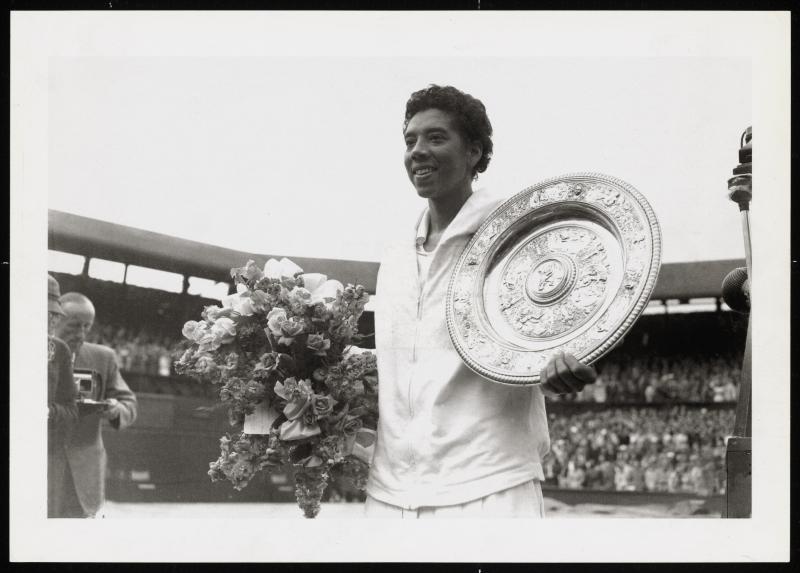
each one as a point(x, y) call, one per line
point(164, 456)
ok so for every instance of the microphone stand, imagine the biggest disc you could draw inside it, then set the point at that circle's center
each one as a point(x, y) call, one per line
point(738, 456)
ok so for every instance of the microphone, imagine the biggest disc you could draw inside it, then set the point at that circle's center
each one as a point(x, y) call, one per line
point(733, 290)
point(740, 191)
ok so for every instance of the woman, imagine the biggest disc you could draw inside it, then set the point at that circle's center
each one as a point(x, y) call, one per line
point(62, 408)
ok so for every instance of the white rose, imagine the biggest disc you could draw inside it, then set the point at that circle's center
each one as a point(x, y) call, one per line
point(327, 291)
point(312, 281)
point(275, 318)
point(190, 329)
point(278, 269)
point(239, 303)
point(224, 330)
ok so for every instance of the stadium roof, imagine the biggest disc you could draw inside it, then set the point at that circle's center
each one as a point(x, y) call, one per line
point(100, 239)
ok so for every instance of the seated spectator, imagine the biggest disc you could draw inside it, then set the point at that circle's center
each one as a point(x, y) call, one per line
point(626, 378)
point(680, 449)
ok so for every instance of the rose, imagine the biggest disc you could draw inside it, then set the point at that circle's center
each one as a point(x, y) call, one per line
point(292, 328)
point(320, 374)
point(190, 329)
point(223, 331)
point(265, 362)
point(203, 337)
point(326, 292)
point(204, 364)
point(299, 299)
point(275, 318)
point(211, 312)
point(321, 289)
point(312, 281)
point(282, 327)
point(321, 405)
point(300, 295)
point(251, 271)
point(351, 426)
point(318, 343)
point(239, 303)
point(285, 329)
point(260, 300)
point(284, 268)
point(197, 332)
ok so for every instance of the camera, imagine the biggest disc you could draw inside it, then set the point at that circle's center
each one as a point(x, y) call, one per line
point(89, 386)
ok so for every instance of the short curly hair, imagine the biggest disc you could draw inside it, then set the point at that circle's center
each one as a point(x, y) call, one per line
point(468, 112)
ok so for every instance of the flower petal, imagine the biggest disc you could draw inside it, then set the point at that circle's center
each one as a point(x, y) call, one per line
point(327, 291)
point(288, 268)
point(313, 281)
point(272, 269)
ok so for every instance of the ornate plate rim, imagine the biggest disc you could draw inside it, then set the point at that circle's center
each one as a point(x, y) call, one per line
point(619, 332)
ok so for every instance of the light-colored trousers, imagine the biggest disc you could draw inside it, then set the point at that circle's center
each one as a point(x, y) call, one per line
point(524, 500)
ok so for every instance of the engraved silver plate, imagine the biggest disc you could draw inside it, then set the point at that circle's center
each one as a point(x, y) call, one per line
point(566, 265)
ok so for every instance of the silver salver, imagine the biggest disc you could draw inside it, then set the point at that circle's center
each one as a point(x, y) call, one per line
point(566, 265)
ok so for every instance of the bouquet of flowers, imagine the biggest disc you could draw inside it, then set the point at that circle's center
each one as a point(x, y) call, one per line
point(281, 351)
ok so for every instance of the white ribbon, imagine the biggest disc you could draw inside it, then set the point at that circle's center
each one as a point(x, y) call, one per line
point(260, 421)
point(364, 445)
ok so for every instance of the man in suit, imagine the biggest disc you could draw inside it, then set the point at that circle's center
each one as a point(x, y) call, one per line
point(62, 408)
point(86, 453)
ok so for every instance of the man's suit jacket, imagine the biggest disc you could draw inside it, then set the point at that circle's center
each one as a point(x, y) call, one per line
point(61, 419)
point(85, 451)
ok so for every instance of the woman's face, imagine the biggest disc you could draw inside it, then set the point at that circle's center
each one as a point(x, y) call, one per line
point(438, 160)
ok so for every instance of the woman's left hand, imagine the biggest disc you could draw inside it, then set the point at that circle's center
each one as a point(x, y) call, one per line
point(563, 374)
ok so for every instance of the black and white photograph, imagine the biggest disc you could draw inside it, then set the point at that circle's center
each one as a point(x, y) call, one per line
point(309, 273)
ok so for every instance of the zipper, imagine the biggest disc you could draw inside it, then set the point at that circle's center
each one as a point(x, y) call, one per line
point(413, 368)
point(411, 380)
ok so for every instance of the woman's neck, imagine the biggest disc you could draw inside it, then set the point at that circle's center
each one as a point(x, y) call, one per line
point(443, 210)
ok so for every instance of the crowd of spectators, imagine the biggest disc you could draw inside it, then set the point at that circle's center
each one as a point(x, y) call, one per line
point(680, 449)
point(628, 378)
point(624, 377)
point(138, 350)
